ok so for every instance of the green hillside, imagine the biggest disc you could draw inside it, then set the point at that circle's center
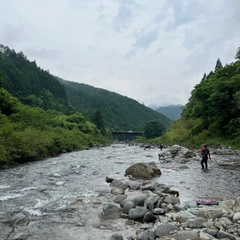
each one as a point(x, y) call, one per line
point(173, 112)
point(119, 113)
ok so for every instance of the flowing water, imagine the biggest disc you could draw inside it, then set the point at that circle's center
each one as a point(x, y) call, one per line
point(62, 197)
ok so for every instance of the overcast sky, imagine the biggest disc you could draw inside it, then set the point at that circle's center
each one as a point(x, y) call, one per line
point(153, 51)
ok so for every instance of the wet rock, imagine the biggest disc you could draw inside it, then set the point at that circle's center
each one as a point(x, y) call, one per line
point(127, 206)
point(111, 211)
point(119, 184)
point(119, 198)
point(143, 170)
point(137, 213)
point(149, 217)
point(137, 199)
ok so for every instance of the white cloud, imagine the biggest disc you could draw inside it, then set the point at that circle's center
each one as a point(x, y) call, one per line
point(151, 51)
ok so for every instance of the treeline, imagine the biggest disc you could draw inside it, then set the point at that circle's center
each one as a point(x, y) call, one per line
point(31, 133)
point(212, 114)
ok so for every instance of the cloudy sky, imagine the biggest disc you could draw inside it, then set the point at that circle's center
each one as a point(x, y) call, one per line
point(153, 51)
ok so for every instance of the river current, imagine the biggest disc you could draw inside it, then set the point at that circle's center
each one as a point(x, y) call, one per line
point(62, 197)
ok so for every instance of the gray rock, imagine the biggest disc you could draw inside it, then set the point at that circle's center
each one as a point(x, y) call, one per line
point(137, 213)
point(143, 170)
point(111, 211)
point(196, 222)
point(236, 206)
point(119, 184)
point(116, 236)
point(148, 234)
point(158, 211)
point(183, 235)
point(117, 191)
point(127, 206)
point(119, 198)
point(165, 229)
point(182, 216)
point(138, 199)
point(236, 217)
point(149, 217)
point(222, 234)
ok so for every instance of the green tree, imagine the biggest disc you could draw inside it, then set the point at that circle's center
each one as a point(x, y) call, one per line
point(218, 65)
point(97, 119)
point(153, 129)
point(238, 54)
point(1, 79)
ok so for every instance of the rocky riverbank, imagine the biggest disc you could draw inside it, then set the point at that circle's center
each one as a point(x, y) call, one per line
point(154, 210)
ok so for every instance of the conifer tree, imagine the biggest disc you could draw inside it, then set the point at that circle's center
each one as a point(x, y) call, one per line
point(218, 65)
point(238, 54)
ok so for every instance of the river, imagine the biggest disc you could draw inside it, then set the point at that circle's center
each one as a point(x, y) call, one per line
point(62, 197)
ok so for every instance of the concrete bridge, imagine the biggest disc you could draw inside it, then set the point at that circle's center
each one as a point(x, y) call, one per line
point(126, 135)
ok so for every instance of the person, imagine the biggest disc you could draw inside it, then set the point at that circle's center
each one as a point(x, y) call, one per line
point(205, 153)
point(161, 146)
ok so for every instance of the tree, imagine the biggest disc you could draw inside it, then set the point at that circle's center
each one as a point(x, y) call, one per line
point(218, 65)
point(97, 119)
point(238, 54)
point(1, 80)
point(154, 128)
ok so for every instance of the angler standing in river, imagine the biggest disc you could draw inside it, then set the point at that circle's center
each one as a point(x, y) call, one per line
point(205, 154)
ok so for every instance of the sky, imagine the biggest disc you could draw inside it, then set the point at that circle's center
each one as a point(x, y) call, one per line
point(152, 51)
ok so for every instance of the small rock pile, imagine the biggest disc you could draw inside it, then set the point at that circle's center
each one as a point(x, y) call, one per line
point(155, 211)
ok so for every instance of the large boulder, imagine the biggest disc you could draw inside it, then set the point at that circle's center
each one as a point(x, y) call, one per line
point(143, 170)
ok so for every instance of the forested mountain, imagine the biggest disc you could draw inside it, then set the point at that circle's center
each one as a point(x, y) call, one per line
point(173, 112)
point(120, 113)
point(37, 88)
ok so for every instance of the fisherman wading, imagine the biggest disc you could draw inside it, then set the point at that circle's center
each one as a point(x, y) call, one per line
point(205, 153)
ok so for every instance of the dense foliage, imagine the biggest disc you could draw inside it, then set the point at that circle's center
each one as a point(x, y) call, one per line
point(153, 129)
point(119, 113)
point(30, 133)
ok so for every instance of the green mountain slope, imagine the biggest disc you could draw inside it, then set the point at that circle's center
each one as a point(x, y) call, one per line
point(173, 112)
point(119, 112)
point(29, 83)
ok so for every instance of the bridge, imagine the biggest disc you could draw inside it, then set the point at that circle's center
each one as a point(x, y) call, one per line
point(126, 135)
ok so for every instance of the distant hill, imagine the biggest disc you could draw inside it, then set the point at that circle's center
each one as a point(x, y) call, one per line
point(173, 112)
point(119, 112)
point(36, 87)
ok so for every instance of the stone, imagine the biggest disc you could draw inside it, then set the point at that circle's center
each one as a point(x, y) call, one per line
point(111, 211)
point(117, 191)
point(183, 235)
point(165, 229)
point(143, 170)
point(116, 236)
point(149, 217)
point(236, 217)
point(137, 213)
